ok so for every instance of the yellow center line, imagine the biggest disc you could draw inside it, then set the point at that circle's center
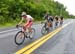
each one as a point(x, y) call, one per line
point(28, 49)
point(28, 46)
point(39, 44)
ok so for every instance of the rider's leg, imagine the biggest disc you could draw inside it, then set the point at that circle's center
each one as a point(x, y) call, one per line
point(49, 24)
point(25, 27)
point(45, 23)
point(30, 29)
point(29, 26)
point(61, 22)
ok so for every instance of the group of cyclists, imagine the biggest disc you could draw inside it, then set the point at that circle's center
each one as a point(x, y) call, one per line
point(49, 21)
point(47, 17)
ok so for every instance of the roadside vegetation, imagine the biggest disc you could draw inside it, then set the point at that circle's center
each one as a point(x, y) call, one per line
point(10, 10)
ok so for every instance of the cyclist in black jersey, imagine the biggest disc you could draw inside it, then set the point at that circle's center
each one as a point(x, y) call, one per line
point(56, 21)
point(50, 21)
point(46, 16)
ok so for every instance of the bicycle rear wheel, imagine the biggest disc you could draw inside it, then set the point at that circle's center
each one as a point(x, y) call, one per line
point(32, 34)
point(19, 38)
point(61, 23)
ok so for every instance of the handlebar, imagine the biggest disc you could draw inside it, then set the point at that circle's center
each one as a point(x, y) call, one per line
point(17, 26)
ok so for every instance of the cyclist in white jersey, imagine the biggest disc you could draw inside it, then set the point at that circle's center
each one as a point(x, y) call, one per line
point(29, 21)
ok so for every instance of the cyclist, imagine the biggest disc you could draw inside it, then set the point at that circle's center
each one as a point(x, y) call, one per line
point(61, 20)
point(46, 18)
point(29, 21)
point(50, 21)
point(56, 20)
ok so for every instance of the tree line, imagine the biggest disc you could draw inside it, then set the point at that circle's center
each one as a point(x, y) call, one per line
point(10, 10)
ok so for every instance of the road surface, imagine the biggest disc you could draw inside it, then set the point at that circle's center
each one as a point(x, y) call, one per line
point(61, 43)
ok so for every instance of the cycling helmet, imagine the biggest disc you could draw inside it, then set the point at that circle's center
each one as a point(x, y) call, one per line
point(23, 14)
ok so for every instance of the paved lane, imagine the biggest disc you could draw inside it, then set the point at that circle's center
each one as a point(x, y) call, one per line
point(7, 41)
point(7, 45)
point(62, 43)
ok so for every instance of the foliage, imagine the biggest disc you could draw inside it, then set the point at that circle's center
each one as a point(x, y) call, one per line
point(10, 10)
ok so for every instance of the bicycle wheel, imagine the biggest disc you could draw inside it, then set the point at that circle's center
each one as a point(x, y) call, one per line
point(44, 30)
point(32, 34)
point(61, 23)
point(19, 38)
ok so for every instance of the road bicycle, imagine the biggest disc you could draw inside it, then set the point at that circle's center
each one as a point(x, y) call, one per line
point(20, 36)
point(46, 28)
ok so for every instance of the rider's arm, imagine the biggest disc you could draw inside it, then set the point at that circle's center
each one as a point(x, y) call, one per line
point(44, 17)
point(21, 21)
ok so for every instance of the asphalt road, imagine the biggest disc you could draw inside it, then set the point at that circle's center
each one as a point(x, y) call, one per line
point(62, 43)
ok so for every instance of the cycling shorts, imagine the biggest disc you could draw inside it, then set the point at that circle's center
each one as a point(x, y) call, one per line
point(28, 25)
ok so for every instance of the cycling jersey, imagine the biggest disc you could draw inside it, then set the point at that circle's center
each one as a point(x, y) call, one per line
point(50, 19)
point(29, 21)
point(28, 17)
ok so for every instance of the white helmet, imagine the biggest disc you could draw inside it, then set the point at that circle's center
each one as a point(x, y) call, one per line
point(23, 13)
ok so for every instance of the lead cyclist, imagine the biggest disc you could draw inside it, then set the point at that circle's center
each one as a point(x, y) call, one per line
point(29, 21)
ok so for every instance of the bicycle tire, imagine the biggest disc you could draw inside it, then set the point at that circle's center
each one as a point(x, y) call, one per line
point(16, 38)
point(33, 31)
point(61, 23)
point(44, 30)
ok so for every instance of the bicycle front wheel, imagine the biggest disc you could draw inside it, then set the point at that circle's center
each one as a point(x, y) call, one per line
point(19, 38)
point(44, 30)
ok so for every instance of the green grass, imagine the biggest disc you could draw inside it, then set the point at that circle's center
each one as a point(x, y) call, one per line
point(12, 24)
point(7, 25)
